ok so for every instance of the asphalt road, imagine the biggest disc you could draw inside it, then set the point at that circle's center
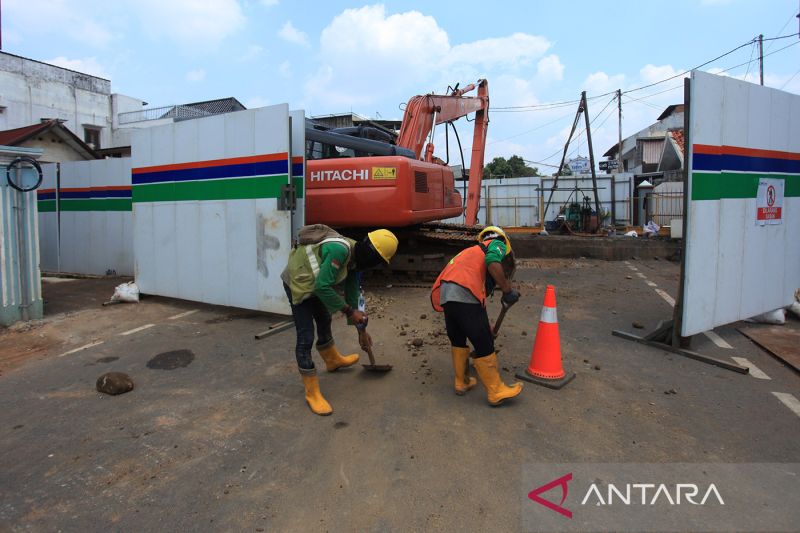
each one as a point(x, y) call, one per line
point(227, 442)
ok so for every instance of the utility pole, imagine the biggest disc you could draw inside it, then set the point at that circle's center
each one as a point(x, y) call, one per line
point(591, 156)
point(619, 160)
point(761, 56)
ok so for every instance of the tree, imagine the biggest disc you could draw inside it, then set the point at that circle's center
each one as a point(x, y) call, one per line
point(520, 169)
point(513, 167)
point(498, 168)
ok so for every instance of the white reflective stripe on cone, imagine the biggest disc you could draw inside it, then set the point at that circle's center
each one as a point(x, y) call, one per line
point(549, 315)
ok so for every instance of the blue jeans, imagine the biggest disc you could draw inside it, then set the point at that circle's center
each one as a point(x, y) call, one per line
point(305, 314)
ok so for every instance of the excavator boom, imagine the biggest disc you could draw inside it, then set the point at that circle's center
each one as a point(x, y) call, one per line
point(423, 113)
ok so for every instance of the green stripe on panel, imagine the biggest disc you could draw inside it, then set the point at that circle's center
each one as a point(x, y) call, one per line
point(96, 204)
point(47, 206)
point(299, 184)
point(718, 185)
point(221, 189)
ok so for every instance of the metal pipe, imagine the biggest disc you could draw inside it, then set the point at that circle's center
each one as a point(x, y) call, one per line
point(356, 143)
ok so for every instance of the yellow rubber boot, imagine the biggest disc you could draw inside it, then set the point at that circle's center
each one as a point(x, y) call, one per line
point(463, 381)
point(334, 360)
point(496, 391)
point(318, 404)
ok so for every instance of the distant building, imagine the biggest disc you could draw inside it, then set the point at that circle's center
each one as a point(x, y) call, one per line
point(348, 120)
point(57, 142)
point(32, 92)
point(125, 123)
point(656, 152)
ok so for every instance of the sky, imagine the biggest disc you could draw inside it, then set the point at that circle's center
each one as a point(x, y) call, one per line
point(370, 58)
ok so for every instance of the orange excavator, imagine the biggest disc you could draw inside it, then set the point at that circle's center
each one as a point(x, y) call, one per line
point(364, 177)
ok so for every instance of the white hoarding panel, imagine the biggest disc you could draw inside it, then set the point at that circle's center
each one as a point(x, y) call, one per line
point(48, 219)
point(94, 209)
point(743, 227)
point(298, 168)
point(207, 224)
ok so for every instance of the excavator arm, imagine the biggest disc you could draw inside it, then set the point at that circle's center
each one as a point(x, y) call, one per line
point(423, 113)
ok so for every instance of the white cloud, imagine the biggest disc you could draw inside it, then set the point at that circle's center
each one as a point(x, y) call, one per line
point(600, 82)
point(291, 34)
point(285, 69)
point(371, 55)
point(251, 53)
point(549, 68)
point(87, 65)
point(512, 51)
point(652, 73)
point(33, 18)
point(196, 75)
point(255, 102)
point(191, 23)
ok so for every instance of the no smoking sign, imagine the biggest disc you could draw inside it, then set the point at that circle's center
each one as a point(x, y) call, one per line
point(769, 202)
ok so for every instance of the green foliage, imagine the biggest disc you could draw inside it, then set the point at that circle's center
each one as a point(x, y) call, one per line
point(513, 167)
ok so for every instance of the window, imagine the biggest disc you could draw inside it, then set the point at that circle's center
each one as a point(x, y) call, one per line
point(91, 136)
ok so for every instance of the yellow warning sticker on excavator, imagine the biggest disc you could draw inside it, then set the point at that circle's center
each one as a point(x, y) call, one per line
point(384, 173)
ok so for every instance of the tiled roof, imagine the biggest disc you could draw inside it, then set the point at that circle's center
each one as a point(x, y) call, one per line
point(221, 105)
point(17, 136)
point(680, 140)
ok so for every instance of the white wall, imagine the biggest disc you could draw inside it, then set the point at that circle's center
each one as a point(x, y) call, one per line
point(735, 268)
point(32, 90)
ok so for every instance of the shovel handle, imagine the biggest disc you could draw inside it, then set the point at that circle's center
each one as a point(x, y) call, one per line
point(499, 322)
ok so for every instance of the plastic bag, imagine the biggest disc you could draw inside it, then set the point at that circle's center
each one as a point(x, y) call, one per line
point(777, 316)
point(651, 227)
point(126, 292)
point(631, 233)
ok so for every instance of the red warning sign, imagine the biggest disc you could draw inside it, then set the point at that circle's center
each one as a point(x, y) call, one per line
point(769, 201)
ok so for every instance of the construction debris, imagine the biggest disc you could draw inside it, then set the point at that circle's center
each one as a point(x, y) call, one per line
point(114, 383)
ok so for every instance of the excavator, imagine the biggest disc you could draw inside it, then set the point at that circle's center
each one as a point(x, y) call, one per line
point(365, 177)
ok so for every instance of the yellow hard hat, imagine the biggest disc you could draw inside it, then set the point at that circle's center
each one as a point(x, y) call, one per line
point(384, 242)
point(499, 232)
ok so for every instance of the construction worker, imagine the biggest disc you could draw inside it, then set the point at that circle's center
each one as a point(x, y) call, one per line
point(309, 280)
point(460, 291)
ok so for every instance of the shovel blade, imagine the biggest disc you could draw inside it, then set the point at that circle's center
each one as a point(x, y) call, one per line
point(377, 368)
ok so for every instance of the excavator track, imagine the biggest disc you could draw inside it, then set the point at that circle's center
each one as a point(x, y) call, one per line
point(423, 252)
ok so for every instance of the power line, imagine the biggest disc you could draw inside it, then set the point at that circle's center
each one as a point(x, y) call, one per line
point(752, 51)
point(559, 119)
point(792, 16)
point(765, 55)
point(554, 105)
point(790, 79)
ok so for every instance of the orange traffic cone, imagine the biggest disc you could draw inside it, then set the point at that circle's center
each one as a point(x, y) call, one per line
point(545, 367)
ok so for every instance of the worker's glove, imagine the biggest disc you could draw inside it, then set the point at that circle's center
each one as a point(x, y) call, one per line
point(511, 297)
point(357, 318)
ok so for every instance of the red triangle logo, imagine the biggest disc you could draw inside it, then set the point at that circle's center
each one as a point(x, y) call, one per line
point(562, 482)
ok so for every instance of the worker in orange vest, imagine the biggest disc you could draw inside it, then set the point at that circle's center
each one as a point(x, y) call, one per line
point(460, 291)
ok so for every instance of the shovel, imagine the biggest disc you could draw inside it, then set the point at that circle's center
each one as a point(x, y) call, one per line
point(372, 367)
point(499, 322)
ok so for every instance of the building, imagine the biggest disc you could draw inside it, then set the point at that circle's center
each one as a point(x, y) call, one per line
point(57, 143)
point(33, 92)
point(349, 120)
point(642, 152)
point(125, 123)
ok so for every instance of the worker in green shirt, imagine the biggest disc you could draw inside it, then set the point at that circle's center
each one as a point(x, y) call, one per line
point(460, 292)
point(310, 278)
